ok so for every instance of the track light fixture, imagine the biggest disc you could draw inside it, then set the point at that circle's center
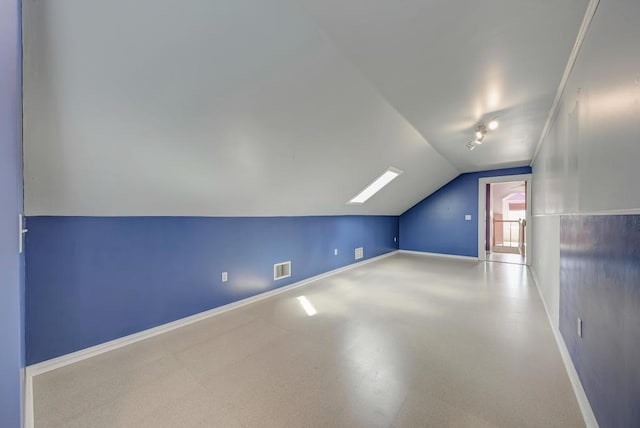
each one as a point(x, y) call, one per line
point(481, 131)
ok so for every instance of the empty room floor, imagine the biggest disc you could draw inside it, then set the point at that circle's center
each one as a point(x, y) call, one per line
point(406, 341)
point(506, 258)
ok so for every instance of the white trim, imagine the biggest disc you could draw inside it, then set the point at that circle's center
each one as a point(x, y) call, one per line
point(626, 211)
point(441, 255)
point(28, 421)
point(23, 392)
point(583, 401)
point(586, 22)
point(482, 211)
point(74, 357)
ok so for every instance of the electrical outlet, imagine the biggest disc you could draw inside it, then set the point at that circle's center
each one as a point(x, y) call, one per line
point(395, 239)
point(225, 276)
point(467, 217)
point(335, 252)
point(579, 327)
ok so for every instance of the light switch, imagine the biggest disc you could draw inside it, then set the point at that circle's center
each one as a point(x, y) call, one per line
point(579, 327)
point(467, 217)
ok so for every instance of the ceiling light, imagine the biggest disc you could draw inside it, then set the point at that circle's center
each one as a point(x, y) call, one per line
point(480, 133)
point(375, 187)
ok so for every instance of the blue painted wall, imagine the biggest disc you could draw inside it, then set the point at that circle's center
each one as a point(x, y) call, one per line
point(600, 283)
point(11, 288)
point(94, 279)
point(437, 224)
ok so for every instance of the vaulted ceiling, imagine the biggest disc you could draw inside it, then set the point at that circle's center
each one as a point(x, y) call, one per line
point(276, 107)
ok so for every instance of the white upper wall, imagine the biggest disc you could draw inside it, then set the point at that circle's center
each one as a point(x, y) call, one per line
point(589, 161)
point(252, 108)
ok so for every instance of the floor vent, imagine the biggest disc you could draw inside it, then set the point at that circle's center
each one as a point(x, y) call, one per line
point(359, 253)
point(281, 270)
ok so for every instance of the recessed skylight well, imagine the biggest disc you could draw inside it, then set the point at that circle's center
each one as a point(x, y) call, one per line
point(373, 188)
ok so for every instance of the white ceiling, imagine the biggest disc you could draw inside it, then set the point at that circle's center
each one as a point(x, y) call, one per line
point(270, 107)
point(448, 65)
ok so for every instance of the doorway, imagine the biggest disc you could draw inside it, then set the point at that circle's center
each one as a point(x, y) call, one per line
point(504, 220)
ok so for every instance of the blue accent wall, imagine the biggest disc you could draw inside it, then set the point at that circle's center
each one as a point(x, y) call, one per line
point(437, 225)
point(11, 284)
point(600, 283)
point(94, 279)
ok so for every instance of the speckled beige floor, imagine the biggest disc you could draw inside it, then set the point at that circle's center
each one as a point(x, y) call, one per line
point(506, 258)
point(408, 341)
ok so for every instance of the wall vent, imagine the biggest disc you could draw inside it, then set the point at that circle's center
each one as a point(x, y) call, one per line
point(359, 253)
point(281, 270)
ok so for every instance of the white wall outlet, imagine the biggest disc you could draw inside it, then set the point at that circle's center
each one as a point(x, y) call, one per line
point(467, 217)
point(225, 276)
point(579, 327)
point(395, 239)
point(335, 252)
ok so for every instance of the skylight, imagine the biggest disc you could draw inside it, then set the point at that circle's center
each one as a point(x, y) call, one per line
point(375, 187)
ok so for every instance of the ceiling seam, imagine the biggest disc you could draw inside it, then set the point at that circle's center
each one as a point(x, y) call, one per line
point(371, 84)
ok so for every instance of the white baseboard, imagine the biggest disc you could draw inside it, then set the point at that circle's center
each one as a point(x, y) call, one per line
point(65, 360)
point(583, 402)
point(23, 394)
point(27, 417)
point(448, 256)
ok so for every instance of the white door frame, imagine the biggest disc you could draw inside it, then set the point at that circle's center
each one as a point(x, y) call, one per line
point(482, 211)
